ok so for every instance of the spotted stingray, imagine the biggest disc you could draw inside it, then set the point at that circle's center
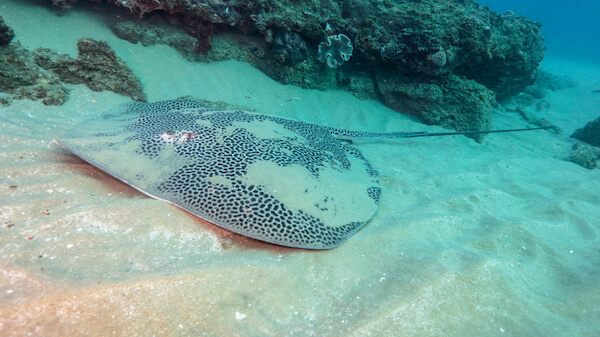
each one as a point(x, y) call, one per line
point(273, 179)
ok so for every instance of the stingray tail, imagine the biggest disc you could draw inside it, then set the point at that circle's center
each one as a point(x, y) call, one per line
point(345, 135)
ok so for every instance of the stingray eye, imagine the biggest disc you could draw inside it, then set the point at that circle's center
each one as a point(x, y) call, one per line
point(169, 136)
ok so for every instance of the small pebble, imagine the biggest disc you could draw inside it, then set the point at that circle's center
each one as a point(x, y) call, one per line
point(239, 316)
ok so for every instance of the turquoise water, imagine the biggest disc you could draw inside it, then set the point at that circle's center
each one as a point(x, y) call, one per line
point(569, 27)
point(492, 239)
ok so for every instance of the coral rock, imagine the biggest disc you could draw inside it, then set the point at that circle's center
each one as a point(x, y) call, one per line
point(585, 156)
point(453, 103)
point(590, 133)
point(335, 51)
point(96, 66)
point(21, 77)
point(439, 58)
point(6, 33)
point(289, 47)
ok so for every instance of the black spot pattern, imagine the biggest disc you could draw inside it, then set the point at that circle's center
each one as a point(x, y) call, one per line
point(374, 193)
point(219, 149)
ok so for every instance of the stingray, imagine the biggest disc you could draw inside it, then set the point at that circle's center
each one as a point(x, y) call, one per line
point(273, 179)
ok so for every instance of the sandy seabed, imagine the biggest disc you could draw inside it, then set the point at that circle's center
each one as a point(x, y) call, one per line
point(499, 238)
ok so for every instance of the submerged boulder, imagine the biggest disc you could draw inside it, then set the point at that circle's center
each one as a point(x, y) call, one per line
point(590, 133)
point(6, 33)
point(97, 66)
point(454, 103)
point(585, 156)
point(41, 74)
point(414, 43)
point(21, 77)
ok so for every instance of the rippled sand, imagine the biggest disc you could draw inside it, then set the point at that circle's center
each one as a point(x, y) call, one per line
point(499, 238)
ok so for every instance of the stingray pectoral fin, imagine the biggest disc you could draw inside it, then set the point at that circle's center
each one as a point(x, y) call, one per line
point(280, 204)
point(91, 161)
